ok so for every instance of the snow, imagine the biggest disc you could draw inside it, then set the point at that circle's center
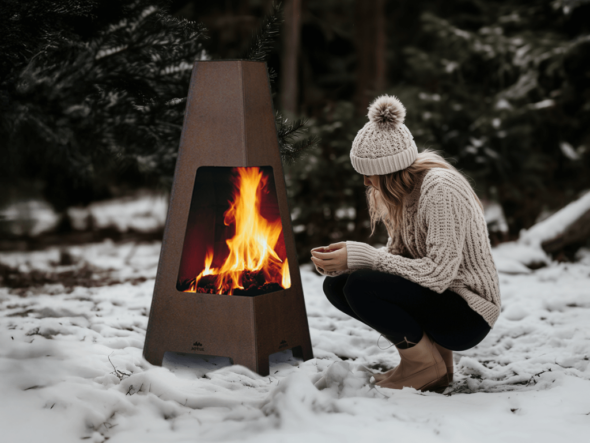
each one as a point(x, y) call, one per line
point(517, 257)
point(520, 256)
point(494, 215)
point(547, 103)
point(28, 217)
point(143, 213)
point(569, 151)
point(72, 368)
point(557, 223)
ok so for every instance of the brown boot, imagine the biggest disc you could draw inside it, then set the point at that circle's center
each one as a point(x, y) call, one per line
point(447, 356)
point(421, 367)
point(379, 377)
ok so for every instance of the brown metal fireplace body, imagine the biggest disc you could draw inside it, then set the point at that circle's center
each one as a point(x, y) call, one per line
point(228, 138)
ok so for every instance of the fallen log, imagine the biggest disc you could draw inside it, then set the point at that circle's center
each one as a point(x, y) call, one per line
point(570, 226)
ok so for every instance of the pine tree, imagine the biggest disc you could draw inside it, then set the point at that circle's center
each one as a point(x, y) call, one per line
point(294, 138)
point(82, 110)
point(497, 87)
point(93, 94)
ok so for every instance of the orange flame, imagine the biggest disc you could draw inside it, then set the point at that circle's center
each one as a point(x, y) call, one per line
point(252, 248)
point(286, 283)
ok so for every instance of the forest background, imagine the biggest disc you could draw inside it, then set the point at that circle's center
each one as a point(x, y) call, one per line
point(92, 101)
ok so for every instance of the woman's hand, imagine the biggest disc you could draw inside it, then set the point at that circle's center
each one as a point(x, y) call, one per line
point(330, 258)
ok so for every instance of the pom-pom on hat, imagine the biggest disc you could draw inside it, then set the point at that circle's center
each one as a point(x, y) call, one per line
point(384, 145)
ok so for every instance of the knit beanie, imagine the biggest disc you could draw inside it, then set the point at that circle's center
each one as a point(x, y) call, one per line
point(384, 145)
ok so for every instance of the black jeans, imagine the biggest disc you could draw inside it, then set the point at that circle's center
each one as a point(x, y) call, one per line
point(399, 308)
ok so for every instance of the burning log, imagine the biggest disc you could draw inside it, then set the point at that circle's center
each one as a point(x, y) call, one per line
point(264, 289)
point(252, 264)
point(253, 282)
point(252, 279)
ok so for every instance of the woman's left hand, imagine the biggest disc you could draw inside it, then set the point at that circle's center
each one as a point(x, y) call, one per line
point(331, 258)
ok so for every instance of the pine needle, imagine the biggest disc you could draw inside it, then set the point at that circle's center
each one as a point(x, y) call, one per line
point(264, 40)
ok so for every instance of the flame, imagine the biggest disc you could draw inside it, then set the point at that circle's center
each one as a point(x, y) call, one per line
point(206, 271)
point(286, 276)
point(252, 248)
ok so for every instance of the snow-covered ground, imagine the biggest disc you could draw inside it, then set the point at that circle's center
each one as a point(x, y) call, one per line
point(71, 368)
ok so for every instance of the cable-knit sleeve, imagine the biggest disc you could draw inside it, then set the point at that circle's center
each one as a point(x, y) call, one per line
point(444, 213)
point(362, 255)
point(349, 270)
point(332, 273)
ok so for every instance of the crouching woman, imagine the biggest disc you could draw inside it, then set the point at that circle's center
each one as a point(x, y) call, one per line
point(434, 288)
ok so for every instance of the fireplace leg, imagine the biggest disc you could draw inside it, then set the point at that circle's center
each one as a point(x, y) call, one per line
point(303, 352)
point(262, 364)
point(154, 356)
point(257, 364)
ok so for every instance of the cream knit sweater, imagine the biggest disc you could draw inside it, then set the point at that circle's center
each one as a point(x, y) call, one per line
point(442, 244)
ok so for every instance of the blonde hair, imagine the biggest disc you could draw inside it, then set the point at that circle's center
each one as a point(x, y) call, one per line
point(386, 203)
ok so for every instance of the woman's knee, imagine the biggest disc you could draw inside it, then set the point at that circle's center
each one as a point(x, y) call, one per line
point(366, 283)
point(331, 291)
point(328, 286)
point(358, 277)
point(358, 283)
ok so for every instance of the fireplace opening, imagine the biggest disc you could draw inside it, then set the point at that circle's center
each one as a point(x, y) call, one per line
point(233, 244)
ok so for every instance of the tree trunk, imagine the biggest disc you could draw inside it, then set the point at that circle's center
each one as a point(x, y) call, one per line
point(370, 44)
point(290, 56)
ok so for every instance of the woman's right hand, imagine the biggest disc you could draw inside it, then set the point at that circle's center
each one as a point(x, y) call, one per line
point(331, 258)
point(319, 249)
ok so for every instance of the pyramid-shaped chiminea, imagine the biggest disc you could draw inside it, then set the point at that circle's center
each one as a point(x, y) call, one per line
point(228, 281)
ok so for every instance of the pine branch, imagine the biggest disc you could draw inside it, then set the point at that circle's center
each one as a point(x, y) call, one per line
point(83, 108)
point(263, 42)
point(294, 138)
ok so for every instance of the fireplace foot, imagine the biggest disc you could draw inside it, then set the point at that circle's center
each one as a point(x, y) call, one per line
point(257, 364)
point(154, 356)
point(260, 364)
point(303, 352)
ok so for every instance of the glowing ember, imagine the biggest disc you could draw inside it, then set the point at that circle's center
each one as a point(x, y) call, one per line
point(252, 266)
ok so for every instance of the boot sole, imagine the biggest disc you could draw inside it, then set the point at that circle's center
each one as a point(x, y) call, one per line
point(438, 386)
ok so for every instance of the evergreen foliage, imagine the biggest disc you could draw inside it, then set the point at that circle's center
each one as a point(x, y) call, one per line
point(93, 94)
point(499, 90)
point(498, 87)
point(264, 41)
point(327, 196)
point(85, 109)
point(294, 138)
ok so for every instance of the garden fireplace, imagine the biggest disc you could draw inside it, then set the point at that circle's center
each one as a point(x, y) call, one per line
point(228, 281)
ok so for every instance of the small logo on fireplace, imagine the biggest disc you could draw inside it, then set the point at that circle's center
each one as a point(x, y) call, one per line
point(197, 346)
point(283, 344)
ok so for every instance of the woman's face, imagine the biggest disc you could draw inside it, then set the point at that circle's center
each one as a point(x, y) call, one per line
point(371, 180)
